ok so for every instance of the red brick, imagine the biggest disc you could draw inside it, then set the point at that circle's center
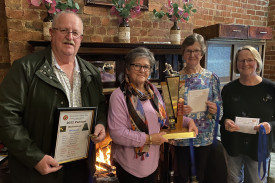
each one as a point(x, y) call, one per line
point(251, 12)
point(209, 5)
point(108, 39)
point(100, 30)
point(18, 46)
point(24, 36)
point(237, 4)
point(15, 24)
point(112, 31)
point(14, 14)
point(239, 21)
point(105, 21)
point(88, 30)
point(237, 15)
point(96, 38)
point(85, 19)
point(95, 21)
point(86, 38)
point(147, 24)
point(14, 4)
point(135, 23)
point(158, 33)
point(134, 39)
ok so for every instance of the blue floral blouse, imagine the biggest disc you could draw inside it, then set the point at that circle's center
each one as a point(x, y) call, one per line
point(204, 121)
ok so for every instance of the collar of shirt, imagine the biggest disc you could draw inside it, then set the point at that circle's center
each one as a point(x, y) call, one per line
point(54, 63)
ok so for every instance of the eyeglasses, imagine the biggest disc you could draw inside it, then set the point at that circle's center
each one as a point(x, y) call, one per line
point(246, 60)
point(196, 52)
point(138, 67)
point(75, 34)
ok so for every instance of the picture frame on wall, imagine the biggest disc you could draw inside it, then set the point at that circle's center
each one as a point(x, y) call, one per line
point(144, 6)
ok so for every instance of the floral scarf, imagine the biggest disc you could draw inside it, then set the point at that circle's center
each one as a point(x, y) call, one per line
point(137, 116)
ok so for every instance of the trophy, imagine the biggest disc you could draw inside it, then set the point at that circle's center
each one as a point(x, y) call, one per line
point(173, 90)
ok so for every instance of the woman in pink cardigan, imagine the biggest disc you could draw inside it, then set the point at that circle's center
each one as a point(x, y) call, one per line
point(136, 115)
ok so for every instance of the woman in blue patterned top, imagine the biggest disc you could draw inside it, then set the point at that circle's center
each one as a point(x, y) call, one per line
point(197, 78)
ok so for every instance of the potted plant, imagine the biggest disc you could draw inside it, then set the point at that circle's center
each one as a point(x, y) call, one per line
point(124, 9)
point(53, 7)
point(175, 14)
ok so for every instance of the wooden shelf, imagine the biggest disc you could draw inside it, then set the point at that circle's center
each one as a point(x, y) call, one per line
point(100, 52)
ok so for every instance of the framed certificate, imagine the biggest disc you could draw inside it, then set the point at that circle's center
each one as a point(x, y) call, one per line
point(72, 139)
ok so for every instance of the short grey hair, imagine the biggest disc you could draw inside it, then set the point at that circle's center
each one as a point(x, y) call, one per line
point(255, 54)
point(139, 52)
point(191, 39)
point(55, 18)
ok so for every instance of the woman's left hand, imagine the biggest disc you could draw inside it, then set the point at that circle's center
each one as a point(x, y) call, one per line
point(266, 126)
point(212, 107)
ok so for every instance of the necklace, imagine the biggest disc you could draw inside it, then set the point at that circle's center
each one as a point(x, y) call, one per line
point(187, 71)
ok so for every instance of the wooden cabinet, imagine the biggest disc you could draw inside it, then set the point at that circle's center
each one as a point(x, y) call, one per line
point(112, 55)
point(218, 31)
point(259, 32)
point(222, 43)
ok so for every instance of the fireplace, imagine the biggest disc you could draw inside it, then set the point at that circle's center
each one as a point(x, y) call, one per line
point(105, 172)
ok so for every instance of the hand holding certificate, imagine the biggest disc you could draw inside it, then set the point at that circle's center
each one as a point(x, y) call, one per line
point(197, 99)
point(72, 141)
point(247, 125)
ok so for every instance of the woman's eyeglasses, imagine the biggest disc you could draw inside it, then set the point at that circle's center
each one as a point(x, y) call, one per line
point(196, 52)
point(246, 60)
point(138, 67)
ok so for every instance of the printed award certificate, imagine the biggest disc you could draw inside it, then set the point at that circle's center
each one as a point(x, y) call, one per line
point(247, 124)
point(74, 127)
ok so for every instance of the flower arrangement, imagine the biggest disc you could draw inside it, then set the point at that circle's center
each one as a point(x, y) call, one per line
point(126, 8)
point(55, 6)
point(176, 13)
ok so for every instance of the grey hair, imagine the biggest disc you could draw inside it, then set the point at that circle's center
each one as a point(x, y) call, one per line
point(255, 54)
point(191, 39)
point(55, 18)
point(139, 52)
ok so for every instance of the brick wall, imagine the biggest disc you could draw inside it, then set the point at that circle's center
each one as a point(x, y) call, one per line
point(4, 51)
point(25, 23)
point(269, 71)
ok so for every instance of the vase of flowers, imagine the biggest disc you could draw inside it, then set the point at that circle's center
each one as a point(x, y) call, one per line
point(53, 7)
point(175, 14)
point(124, 9)
point(175, 33)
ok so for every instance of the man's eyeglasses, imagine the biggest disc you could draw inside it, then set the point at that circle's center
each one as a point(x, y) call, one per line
point(196, 52)
point(75, 34)
point(246, 60)
point(138, 67)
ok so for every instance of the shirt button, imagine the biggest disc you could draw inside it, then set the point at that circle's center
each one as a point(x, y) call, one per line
point(45, 66)
point(51, 77)
point(44, 73)
point(61, 102)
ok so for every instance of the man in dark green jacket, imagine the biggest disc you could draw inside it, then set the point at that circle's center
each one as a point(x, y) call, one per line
point(30, 94)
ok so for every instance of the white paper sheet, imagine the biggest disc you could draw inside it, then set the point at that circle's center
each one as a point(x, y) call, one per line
point(197, 99)
point(247, 124)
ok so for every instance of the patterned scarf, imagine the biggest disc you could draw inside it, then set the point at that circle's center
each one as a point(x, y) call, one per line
point(137, 116)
